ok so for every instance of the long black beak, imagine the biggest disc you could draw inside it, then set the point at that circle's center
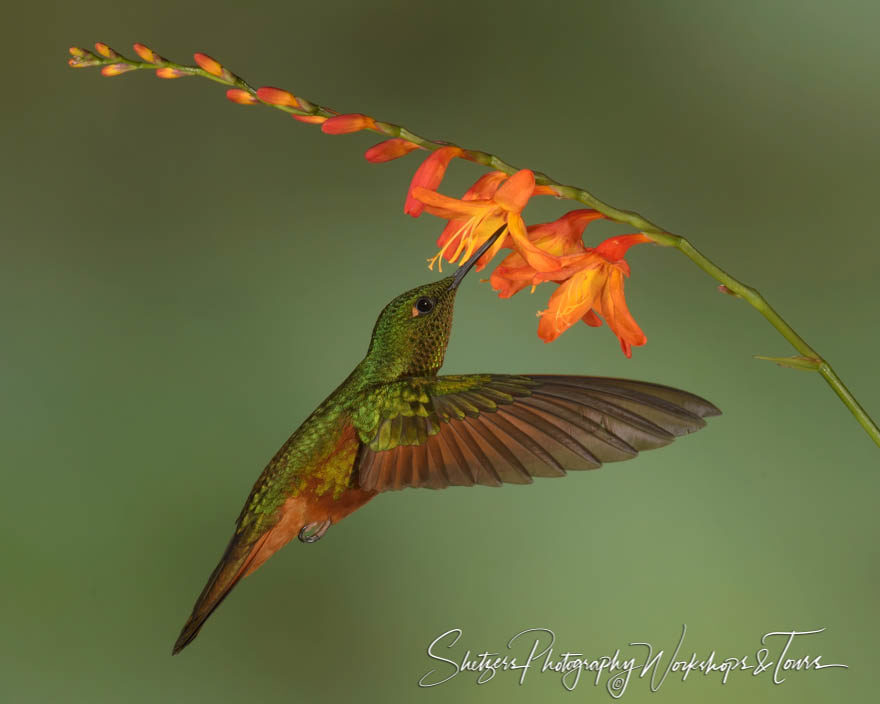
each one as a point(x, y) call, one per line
point(466, 267)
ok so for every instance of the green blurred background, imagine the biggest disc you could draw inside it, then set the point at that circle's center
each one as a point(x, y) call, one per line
point(183, 280)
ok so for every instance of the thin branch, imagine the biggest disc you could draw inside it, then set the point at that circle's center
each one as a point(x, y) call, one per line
point(243, 93)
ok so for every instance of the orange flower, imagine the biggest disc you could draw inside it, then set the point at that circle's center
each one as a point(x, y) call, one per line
point(389, 149)
point(429, 175)
point(593, 283)
point(484, 187)
point(482, 216)
point(561, 238)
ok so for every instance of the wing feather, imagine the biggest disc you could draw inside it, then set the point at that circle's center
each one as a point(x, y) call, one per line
point(491, 429)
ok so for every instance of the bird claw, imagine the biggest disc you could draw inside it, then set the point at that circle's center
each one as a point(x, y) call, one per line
point(313, 532)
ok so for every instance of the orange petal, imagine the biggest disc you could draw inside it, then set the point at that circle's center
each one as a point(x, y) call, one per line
point(483, 189)
point(345, 124)
point(515, 192)
point(276, 96)
point(242, 97)
point(487, 228)
point(508, 280)
point(449, 208)
point(616, 313)
point(571, 264)
point(570, 302)
point(389, 149)
point(614, 248)
point(429, 175)
point(563, 236)
point(449, 239)
point(537, 258)
point(593, 320)
point(485, 186)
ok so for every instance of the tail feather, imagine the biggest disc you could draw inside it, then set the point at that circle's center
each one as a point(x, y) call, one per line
point(232, 567)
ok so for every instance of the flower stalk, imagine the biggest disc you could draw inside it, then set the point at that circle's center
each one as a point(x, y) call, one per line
point(114, 63)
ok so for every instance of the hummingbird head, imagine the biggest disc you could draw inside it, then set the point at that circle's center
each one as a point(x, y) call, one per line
point(412, 332)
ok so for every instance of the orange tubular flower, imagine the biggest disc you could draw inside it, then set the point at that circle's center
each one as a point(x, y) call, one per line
point(561, 238)
point(593, 283)
point(482, 216)
point(484, 188)
point(428, 176)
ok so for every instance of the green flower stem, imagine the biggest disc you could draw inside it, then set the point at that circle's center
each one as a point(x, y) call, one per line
point(809, 359)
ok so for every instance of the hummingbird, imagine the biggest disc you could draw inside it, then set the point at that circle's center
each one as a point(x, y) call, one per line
point(394, 423)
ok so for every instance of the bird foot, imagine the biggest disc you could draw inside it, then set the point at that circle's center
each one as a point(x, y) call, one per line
point(313, 532)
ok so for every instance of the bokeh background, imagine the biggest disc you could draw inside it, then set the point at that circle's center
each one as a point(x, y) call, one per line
point(183, 280)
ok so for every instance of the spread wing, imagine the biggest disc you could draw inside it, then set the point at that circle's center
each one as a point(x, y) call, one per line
point(491, 428)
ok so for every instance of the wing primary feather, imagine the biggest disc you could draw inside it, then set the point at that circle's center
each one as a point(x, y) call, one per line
point(503, 451)
point(449, 445)
point(596, 430)
point(685, 399)
point(605, 407)
point(523, 439)
point(609, 387)
point(421, 475)
point(404, 474)
point(483, 462)
point(386, 474)
point(553, 431)
point(437, 463)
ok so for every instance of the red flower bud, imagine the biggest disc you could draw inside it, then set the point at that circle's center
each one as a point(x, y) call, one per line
point(276, 96)
point(148, 55)
point(242, 97)
point(310, 119)
point(105, 51)
point(169, 72)
point(389, 149)
point(212, 66)
point(345, 124)
point(116, 69)
point(429, 175)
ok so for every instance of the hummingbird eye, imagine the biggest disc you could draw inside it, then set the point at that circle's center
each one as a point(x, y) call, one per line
point(423, 306)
